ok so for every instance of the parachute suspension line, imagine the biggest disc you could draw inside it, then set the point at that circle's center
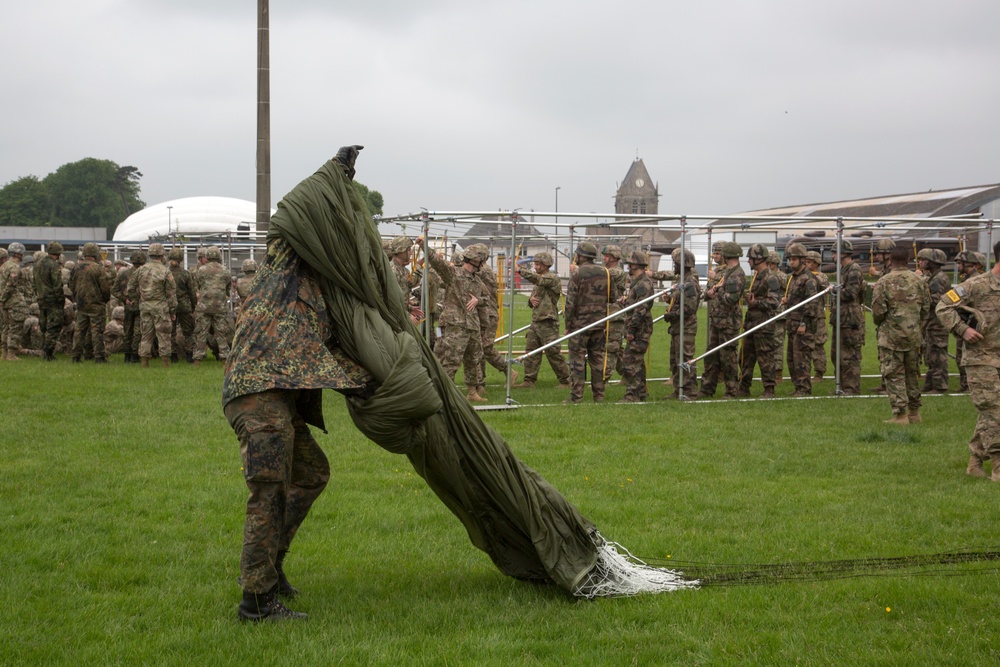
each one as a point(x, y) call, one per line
point(607, 328)
point(618, 573)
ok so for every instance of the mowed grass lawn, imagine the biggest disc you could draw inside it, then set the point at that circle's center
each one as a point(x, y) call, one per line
point(122, 508)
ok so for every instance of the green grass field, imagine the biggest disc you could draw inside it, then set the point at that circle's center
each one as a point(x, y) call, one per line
point(122, 509)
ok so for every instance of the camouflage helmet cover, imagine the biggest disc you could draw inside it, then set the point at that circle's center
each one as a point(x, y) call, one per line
point(814, 256)
point(638, 258)
point(249, 266)
point(543, 258)
point(138, 257)
point(399, 244)
point(54, 248)
point(731, 250)
point(480, 251)
point(938, 256)
point(29, 259)
point(91, 249)
point(16, 248)
point(846, 247)
point(587, 249)
point(885, 245)
point(3, 253)
point(773, 257)
point(201, 252)
point(213, 254)
point(34, 309)
point(718, 246)
point(156, 250)
point(795, 250)
point(69, 264)
point(612, 251)
point(176, 255)
point(118, 313)
point(963, 256)
point(689, 260)
point(977, 258)
point(927, 254)
point(757, 252)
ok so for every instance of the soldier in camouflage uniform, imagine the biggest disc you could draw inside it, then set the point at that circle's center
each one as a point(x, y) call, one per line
point(852, 321)
point(244, 282)
point(187, 299)
point(900, 303)
point(879, 267)
point(935, 335)
point(724, 298)
point(971, 311)
point(213, 286)
point(763, 297)
point(692, 297)
point(32, 338)
point(131, 326)
point(773, 262)
point(152, 287)
point(544, 304)
point(13, 309)
point(489, 318)
point(801, 325)
point(638, 328)
point(715, 274)
point(814, 262)
point(589, 296)
point(49, 293)
point(970, 264)
point(460, 343)
point(114, 331)
point(611, 255)
point(91, 290)
point(399, 250)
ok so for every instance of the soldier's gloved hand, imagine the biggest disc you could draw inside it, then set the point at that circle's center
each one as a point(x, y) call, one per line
point(347, 156)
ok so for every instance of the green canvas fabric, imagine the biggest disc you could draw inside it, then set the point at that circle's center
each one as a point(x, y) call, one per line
point(522, 522)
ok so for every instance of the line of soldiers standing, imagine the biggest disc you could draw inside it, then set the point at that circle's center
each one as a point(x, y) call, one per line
point(93, 308)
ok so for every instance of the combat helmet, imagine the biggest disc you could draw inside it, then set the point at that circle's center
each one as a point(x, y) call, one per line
point(814, 256)
point(91, 249)
point(16, 248)
point(717, 247)
point(176, 255)
point(612, 251)
point(138, 257)
point(587, 249)
point(213, 254)
point(927, 254)
point(543, 258)
point(3, 255)
point(688, 258)
point(637, 258)
point(846, 247)
point(977, 258)
point(249, 266)
point(757, 252)
point(54, 248)
point(458, 257)
point(773, 257)
point(795, 250)
point(118, 313)
point(731, 250)
point(938, 256)
point(885, 246)
point(33, 309)
point(156, 250)
point(399, 244)
point(201, 253)
point(480, 250)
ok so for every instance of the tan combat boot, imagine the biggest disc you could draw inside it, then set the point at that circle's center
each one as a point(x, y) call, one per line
point(473, 397)
point(166, 362)
point(900, 420)
point(995, 462)
point(914, 417)
point(144, 362)
point(975, 467)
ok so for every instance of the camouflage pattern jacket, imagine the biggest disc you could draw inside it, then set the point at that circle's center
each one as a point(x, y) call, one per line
point(692, 298)
point(548, 290)
point(243, 284)
point(727, 313)
point(976, 301)
point(119, 289)
point(460, 286)
point(284, 339)
point(187, 298)
point(639, 320)
point(213, 286)
point(28, 283)
point(90, 286)
point(152, 287)
point(620, 279)
point(767, 291)
point(11, 296)
point(938, 285)
point(589, 296)
point(48, 282)
point(852, 298)
point(801, 286)
point(900, 303)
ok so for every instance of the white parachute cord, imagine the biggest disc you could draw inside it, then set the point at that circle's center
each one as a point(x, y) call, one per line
point(618, 573)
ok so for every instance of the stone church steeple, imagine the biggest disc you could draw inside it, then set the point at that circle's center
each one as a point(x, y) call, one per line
point(637, 193)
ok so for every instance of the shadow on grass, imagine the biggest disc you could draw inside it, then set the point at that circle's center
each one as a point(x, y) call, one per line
point(899, 436)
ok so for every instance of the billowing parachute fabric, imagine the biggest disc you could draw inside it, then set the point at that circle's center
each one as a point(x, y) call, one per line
point(523, 523)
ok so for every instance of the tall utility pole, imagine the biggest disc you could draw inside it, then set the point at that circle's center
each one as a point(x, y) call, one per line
point(263, 117)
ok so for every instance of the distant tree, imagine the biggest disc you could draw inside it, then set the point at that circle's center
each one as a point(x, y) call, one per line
point(24, 203)
point(93, 193)
point(373, 198)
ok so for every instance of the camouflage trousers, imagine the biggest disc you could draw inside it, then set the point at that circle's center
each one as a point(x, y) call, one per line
point(89, 328)
point(12, 328)
point(219, 323)
point(819, 350)
point(588, 347)
point(984, 385)
point(112, 340)
point(285, 471)
point(154, 324)
point(490, 354)
point(183, 322)
point(132, 332)
point(50, 320)
point(757, 349)
point(539, 334)
point(963, 382)
point(901, 373)
point(616, 332)
point(936, 357)
point(779, 351)
point(459, 346)
point(800, 355)
point(634, 366)
point(723, 364)
point(851, 342)
point(690, 377)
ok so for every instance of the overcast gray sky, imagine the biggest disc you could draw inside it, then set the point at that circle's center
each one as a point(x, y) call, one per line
point(733, 106)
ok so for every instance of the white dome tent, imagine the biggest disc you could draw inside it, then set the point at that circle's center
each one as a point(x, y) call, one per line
point(190, 216)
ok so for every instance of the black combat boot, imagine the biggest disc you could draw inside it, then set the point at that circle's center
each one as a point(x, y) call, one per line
point(189, 356)
point(258, 607)
point(285, 589)
point(173, 357)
